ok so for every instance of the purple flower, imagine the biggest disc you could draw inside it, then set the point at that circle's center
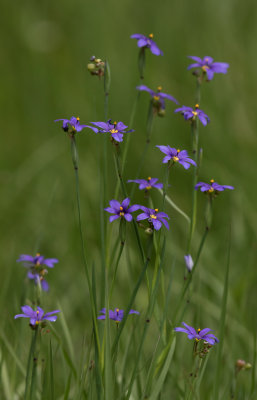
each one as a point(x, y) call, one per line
point(214, 187)
point(176, 155)
point(36, 265)
point(190, 113)
point(37, 261)
point(147, 42)
point(199, 335)
point(39, 278)
point(121, 210)
point(147, 184)
point(37, 316)
point(189, 262)
point(157, 97)
point(155, 218)
point(116, 129)
point(208, 66)
point(115, 315)
point(74, 124)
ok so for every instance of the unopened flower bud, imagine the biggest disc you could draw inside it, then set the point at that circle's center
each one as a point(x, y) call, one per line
point(149, 231)
point(242, 365)
point(90, 67)
point(161, 112)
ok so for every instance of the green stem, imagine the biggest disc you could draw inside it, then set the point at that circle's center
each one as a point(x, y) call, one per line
point(165, 185)
point(194, 378)
point(189, 277)
point(74, 154)
point(195, 142)
point(116, 268)
point(195, 137)
point(133, 296)
point(149, 128)
point(124, 191)
point(29, 374)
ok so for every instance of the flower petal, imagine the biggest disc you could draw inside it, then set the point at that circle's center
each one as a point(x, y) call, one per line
point(155, 49)
point(113, 217)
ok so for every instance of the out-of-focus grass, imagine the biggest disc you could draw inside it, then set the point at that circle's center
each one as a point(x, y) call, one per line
point(45, 50)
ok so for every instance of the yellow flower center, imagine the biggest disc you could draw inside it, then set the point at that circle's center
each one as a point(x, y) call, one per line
point(156, 98)
point(150, 35)
point(149, 178)
point(212, 180)
point(205, 67)
point(175, 158)
point(148, 187)
point(198, 330)
point(195, 113)
point(211, 190)
point(98, 60)
point(159, 88)
point(113, 131)
point(178, 150)
point(197, 106)
point(156, 209)
point(78, 118)
point(153, 216)
point(117, 310)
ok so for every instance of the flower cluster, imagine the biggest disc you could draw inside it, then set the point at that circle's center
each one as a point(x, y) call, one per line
point(122, 210)
point(96, 66)
point(36, 272)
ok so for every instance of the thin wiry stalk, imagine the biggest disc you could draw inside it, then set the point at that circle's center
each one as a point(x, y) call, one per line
point(74, 153)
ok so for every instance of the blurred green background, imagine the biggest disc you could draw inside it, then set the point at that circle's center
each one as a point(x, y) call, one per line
point(44, 53)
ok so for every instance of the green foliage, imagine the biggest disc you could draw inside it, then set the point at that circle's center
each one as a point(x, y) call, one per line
point(44, 77)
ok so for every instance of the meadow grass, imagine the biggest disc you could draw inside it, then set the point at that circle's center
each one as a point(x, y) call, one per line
point(45, 55)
